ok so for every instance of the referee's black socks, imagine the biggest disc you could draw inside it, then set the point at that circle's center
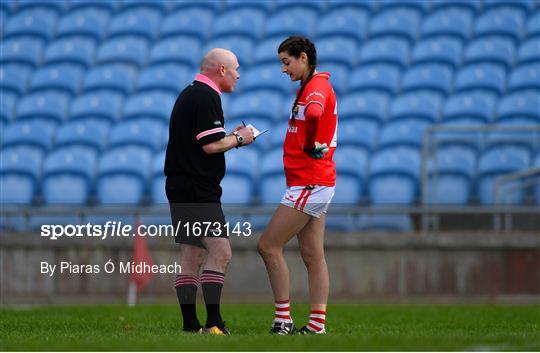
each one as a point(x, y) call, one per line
point(212, 283)
point(186, 291)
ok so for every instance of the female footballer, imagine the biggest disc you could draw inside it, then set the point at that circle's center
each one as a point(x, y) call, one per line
point(311, 177)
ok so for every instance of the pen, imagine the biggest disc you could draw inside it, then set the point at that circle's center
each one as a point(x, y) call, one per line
point(243, 123)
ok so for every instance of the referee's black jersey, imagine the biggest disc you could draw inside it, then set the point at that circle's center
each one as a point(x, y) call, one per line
point(196, 120)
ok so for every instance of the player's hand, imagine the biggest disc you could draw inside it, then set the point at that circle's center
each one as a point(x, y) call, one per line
point(247, 134)
point(318, 151)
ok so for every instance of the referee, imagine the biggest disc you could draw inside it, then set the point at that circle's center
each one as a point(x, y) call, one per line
point(194, 166)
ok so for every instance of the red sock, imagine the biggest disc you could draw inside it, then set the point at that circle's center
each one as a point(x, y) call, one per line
point(317, 319)
point(283, 311)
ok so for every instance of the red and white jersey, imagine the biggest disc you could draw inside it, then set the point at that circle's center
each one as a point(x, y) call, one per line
point(300, 168)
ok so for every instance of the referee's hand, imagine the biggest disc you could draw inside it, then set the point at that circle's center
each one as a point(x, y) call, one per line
point(247, 134)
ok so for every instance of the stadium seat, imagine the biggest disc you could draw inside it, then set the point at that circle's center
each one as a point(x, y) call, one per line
point(141, 22)
point(428, 77)
point(272, 182)
point(108, 5)
point(8, 102)
point(65, 78)
point(154, 105)
point(366, 105)
point(529, 51)
point(370, 6)
point(85, 22)
point(439, 50)
point(394, 51)
point(351, 168)
point(141, 133)
point(385, 223)
point(502, 22)
point(34, 23)
point(347, 22)
point(266, 6)
point(24, 51)
point(522, 134)
point(213, 5)
point(3, 18)
point(158, 180)
point(398, 22)
point(104, 105)
point(470, 6)
point(167, 77)
point(474, 106)
point(339, 76)
point(305, 4)
point(47, 105)
point(161, 6)
point(14, 78)
point(337, 50)
point(111, 77)
point(404, 132)
point(393, 176)
point(297, 20)
point(453, 22)
point(128, 50)
point(67, 177)
point(73, 50)
point(176, 50)
point(379, 77)
point(240, 179)
point(243, 22)
point(521, 104)
point(58, 6)
point(525, 77)
point(261, 104)
point(419, 6)
point(240, 45)
point(266, 51)
point(496, 50)
point(82, 133)
point(266, 77)
point(19, 173)
point(122, 175)
point(419, 105)
point(340, 222)
point(521, 5)
point(277, 136)
point(537, 165)
point(495, 163)
point(533, 25)
point(196, 22)
point(35, 136)
point(484, 76)
point(360, 133)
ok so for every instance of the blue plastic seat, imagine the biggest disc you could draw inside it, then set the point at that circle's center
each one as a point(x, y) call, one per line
point(494, 49)
point(521, 5)
point(59, 77)
point(474, 105)
point(103, 105)
point(485, 76)
point(399, 223)
point(272, 182)
point(393, 176)
point(266, 77)
point(35, 136)
point(85, 22)
point(73, 50)
point(439, 50)
point(359, 133)
point(470, 6)
point(525, 77)
point(298, 21)
point(351, 169)
point(404, 132)
point(348, 22)
point(266, 51)
point(127, 50)
point(421, 105)
point(244, 22)
point(36, 23)
point(371, 6)
point(81, 133)
point(140, 22)
point(260, 104)
point(176, 50)
point(365, 105)
point(157, 184)
point(277, 137)
point(3, 18)
point(430, 77)
point(48, 105)
point(108, 5)
point(522, 133)
point(394, 51)
point(240, 179)
point(503, 22)
point(195, 22)
point(14, 78)
point(305, 4)
point(19, 173)
point(379, 77)
point(529, 51)
point(420, 6)
point(153, 104)
point(24, 51)
point(340, 222)
point(213, 5)
point(266, 6)
point(240, 45)
point(337, 50)
point(67, 177)
point(537, 165)
point(139, 133)
point(8, 102)
point(533, 25)
point(161, 6)
point(398, 22)
point(113, 77)
point(454, 22)
point(521, 104)
point(495, 163)
point(122, 176)
point(339, 76)
point(58, 6)
point(167, 77)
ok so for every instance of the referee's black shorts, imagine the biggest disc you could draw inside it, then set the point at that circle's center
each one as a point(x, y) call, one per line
point(195, 209)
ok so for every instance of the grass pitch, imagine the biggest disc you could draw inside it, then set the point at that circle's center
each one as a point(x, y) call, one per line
point(351, 327)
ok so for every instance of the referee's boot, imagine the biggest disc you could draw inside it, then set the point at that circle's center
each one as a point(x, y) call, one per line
point(306, 331)
point(282, 328)
point(194, 328)
point(218, 330)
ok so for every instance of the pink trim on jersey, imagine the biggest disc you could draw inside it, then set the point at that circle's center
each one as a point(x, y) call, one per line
point(209, 132)
point(204, 79)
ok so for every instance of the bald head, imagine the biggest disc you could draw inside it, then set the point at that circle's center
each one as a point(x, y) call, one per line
point(221, 66)
point(216, 57)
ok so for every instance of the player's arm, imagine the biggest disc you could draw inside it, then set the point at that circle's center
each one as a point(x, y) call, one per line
point(313, 114)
